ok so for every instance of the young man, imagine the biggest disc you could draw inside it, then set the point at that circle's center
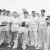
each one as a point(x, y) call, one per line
point(42, 38)
point(8, 20)
point(1, 28)
point(15, 28)
point(23, 29)
point(33, 29)
point(3, 25)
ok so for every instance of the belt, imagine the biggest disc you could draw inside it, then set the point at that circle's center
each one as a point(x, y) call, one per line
point(2, 25)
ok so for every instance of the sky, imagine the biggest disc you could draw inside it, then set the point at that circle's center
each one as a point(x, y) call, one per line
point(18, 5)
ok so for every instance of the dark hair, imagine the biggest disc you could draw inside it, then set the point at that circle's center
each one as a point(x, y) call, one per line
point(33, 11)
point(25, 12)
point(8, 11)
point(4, 9)
point(0, 10)
point(43, 10)
point(48, 16)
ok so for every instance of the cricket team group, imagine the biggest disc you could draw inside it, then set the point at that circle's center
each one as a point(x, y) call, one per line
point(34, 29)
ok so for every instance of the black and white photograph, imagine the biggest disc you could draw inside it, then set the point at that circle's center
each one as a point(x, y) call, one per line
point(24, 24)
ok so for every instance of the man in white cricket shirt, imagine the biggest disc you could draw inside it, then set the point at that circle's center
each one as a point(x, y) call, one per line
point(8, 20)
point(23, 29)
point(33, 29)
point(15, 28)
point(1, 28)
point(42, 31)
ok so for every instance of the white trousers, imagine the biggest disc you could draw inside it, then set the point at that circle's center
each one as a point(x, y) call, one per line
point(15, 28)
point(33, 34)
point(24, 36)
point(7, 34)
point(48, 36)
point(2, 34)
point(42, 36)
point(15, 42)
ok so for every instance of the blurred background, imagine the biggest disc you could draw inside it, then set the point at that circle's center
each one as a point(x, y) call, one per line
point(18, 5)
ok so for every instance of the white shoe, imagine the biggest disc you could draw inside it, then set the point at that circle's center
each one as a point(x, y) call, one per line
point(24, 47)
point(14, 47)
point(38, 48)
point(9, 45)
